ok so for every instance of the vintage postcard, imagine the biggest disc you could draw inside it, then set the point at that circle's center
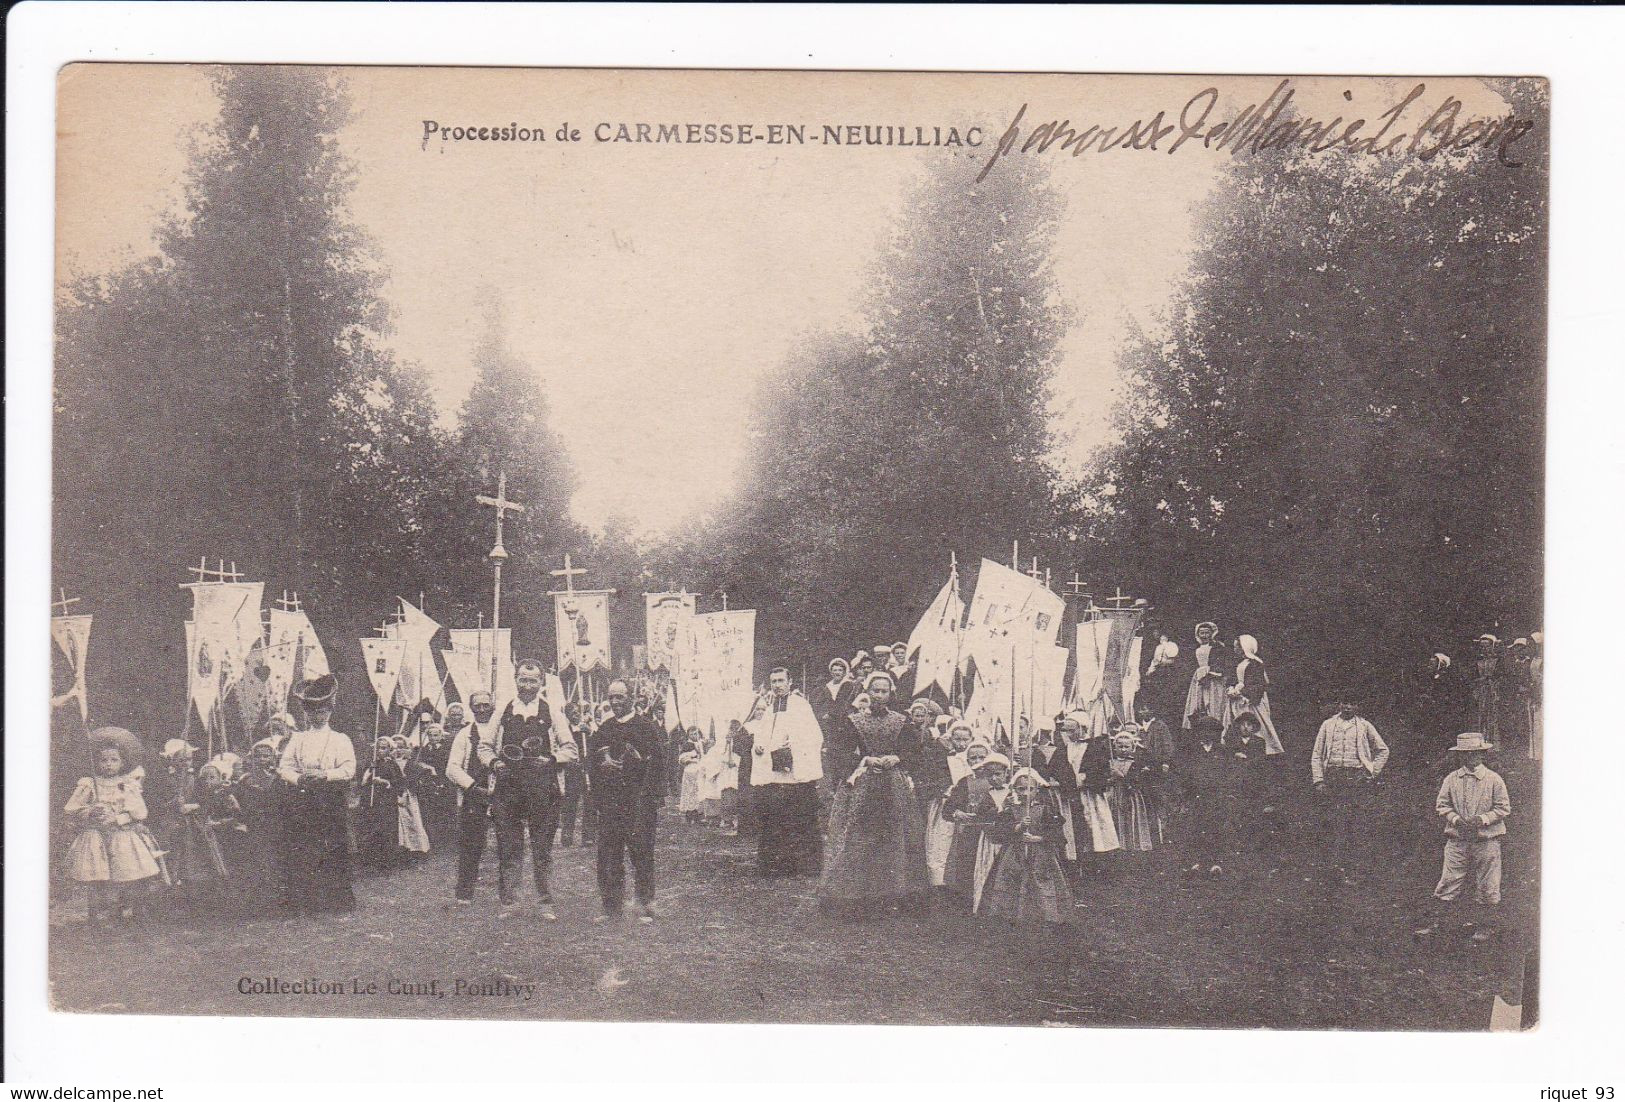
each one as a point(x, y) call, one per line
point(827, 547)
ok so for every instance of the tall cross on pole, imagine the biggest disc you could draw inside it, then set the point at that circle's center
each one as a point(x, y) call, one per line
point(568, 574)
point(61, 607)
point(1035, 573)
point(1075, 585)
point(502, 505)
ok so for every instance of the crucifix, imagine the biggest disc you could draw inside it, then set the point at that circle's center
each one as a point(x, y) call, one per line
point(61, 607)
point(501, 504)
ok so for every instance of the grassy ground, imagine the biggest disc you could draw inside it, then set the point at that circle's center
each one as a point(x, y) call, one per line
point(1271, 944)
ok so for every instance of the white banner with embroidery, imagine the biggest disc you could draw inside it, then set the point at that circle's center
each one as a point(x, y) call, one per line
point(666, 616)
point(581, 625)
point(383, 657)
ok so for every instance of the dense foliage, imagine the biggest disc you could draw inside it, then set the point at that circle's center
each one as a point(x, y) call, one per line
point(1337, 443)
point(1335, 440)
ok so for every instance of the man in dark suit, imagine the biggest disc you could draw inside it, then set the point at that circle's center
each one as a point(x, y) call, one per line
point(626, 770)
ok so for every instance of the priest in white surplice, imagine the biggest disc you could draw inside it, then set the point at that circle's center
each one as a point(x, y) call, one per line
point(787, 763)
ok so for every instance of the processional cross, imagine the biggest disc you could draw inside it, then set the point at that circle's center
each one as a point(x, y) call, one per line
point(502, 505)
point(568, 574)
point(61, 607)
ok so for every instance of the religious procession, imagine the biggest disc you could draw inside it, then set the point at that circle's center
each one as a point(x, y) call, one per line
point(718, 590)
point(981, 766)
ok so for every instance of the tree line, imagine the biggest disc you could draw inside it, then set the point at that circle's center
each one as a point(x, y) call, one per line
point(1334, 438)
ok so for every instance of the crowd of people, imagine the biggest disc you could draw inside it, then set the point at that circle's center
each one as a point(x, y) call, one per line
point(888, 801)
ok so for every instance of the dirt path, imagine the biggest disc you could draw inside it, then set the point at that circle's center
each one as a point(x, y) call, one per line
point(1257, 948)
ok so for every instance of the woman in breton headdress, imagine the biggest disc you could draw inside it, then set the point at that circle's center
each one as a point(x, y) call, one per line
point(259, 795)
point(939, 825)
point(876, 846)
point(689, 796)
point(317, 767)
point(1159, 684)
point(1131, 813)
point(972, 804)
point(1025, 886)
point(1519, 716)
point(410, 833)
point(377, 815)
point(1487, 688)
point(1083, 785)
point(1250, 694)
point(1206, 695)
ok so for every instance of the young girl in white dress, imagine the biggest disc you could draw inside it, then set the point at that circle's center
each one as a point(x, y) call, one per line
point(114, 852)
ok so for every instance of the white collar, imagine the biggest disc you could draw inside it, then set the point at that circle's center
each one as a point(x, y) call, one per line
point(527, 711)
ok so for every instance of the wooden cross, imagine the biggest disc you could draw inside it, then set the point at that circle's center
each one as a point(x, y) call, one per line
point(1035, 573)
point(287, 604)
point(1075, 585)
point(218, 574)
point(568, 574)
point(501, 504)
point(61, 606)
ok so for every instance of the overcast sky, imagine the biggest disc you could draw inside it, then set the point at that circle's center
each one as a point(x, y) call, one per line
point(649, 285)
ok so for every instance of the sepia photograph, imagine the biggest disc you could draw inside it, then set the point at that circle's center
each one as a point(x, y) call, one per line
point(821, 547)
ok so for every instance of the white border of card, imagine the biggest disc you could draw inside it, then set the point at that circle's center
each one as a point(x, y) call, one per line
point(1574, 48)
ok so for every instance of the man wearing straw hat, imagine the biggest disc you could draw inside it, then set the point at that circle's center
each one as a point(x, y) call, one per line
point(1474, 805)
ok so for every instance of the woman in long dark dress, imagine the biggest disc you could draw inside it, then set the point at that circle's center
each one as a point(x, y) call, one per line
point(876, 846)
point(1026, 886)
point(973, 804)
point(317, 767)
point(378, 817)
point(259, 796)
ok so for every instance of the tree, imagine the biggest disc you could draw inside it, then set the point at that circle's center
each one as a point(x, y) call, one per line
point(872, 457)
point(1337, 441)
point(505, 427)
point(232, 396)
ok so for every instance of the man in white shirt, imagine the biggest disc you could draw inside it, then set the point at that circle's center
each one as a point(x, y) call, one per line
point(787, 762)
point(525, 755)
point(472, 777)
point(1348, 756)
